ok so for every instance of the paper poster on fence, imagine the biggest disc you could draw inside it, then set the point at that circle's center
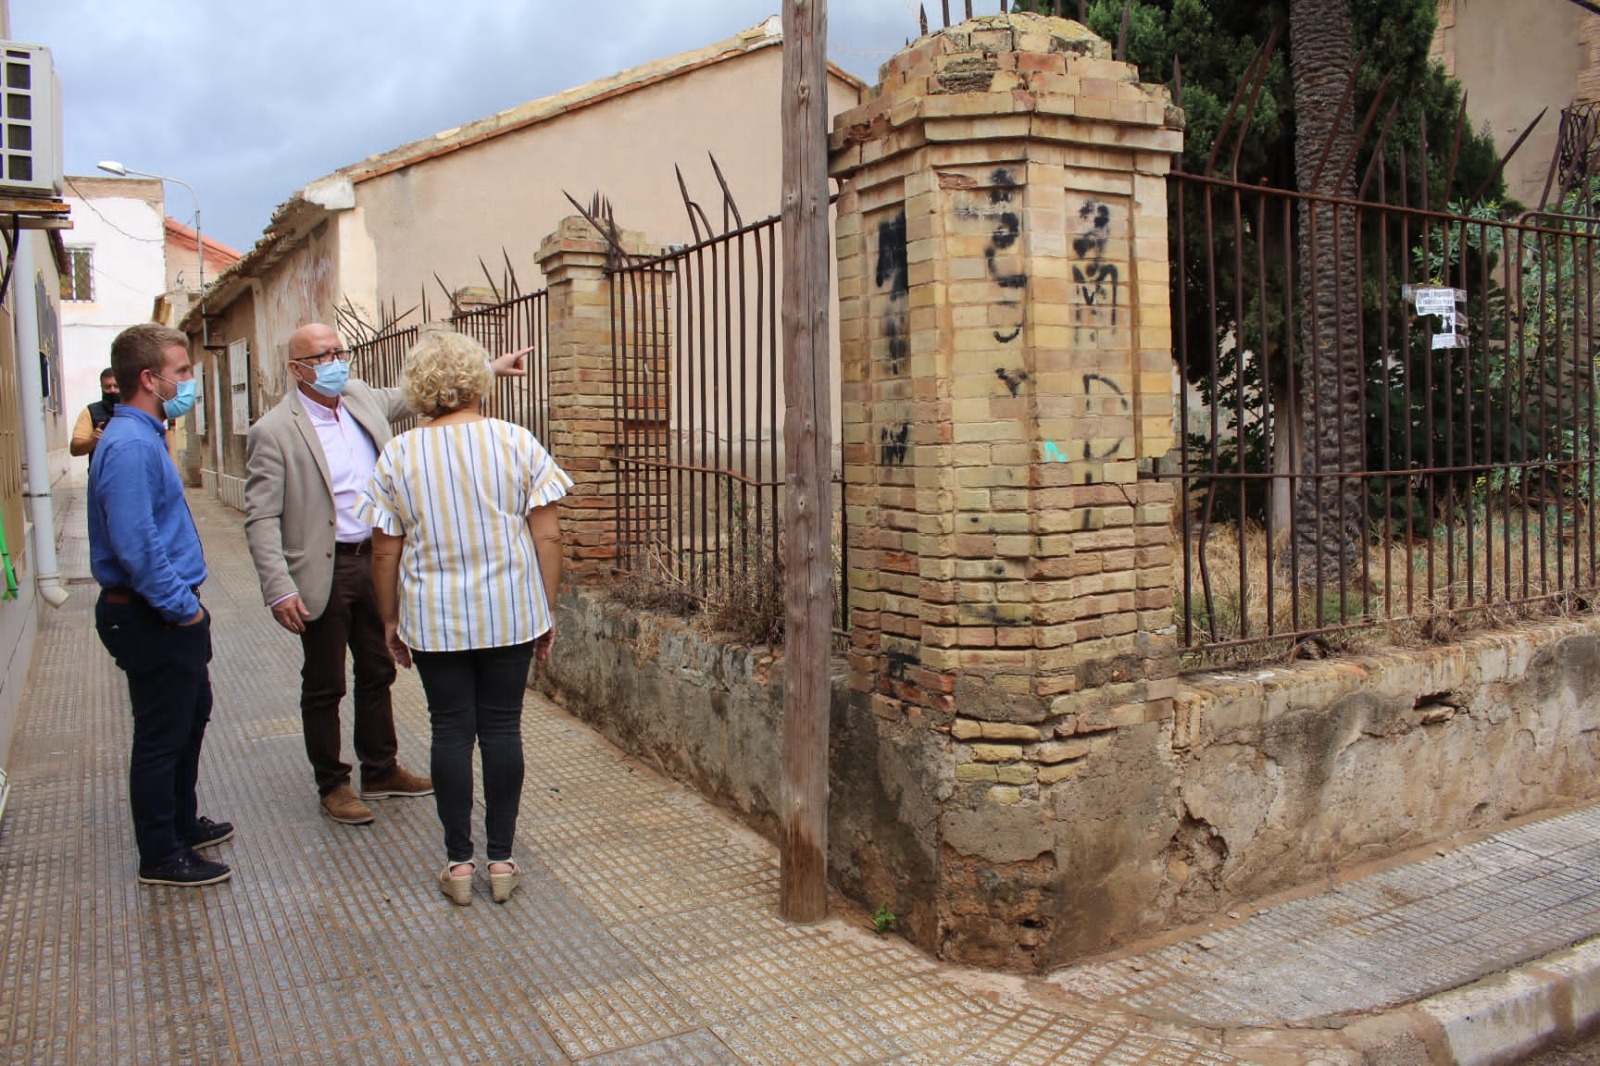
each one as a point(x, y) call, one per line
point(1441, 302)
point(1438, 300)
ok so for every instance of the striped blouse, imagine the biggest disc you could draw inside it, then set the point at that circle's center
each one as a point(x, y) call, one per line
point(460, 495)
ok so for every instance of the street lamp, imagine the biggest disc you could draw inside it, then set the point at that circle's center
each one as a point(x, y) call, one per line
point(111, 166)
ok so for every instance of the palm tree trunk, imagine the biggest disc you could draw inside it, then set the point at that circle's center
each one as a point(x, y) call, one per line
point(1329, 509)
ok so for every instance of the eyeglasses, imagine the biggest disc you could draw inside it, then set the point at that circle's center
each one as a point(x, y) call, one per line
point(324, 358)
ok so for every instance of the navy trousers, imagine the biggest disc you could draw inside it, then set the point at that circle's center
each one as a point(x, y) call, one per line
point(476, 696)
point(169, 686)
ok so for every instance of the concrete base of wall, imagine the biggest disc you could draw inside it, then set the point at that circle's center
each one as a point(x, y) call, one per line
point(1261, 780)
point(1296, 771)
point(709, 714)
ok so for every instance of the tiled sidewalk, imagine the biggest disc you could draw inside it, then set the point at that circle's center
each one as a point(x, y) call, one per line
point(645, 931)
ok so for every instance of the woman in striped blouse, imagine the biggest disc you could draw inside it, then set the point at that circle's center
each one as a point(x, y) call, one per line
point(466, 561)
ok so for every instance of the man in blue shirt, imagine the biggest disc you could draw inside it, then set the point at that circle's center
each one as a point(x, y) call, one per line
point(145, 553)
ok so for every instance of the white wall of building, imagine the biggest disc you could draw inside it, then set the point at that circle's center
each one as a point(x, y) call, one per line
point(19, 618)
point(122, 221)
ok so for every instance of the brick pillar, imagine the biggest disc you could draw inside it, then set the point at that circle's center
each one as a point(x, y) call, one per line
point(488, 329)
point(1003, 273)
point(583, 419)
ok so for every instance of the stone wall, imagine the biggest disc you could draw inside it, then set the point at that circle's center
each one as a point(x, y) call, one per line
point(1261, 781)
point(705, 712)
point(1287, 774)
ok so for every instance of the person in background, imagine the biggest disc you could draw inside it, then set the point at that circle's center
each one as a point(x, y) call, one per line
point(306, 460)
point(145, 553)
point(92, 419)
point(466, 566)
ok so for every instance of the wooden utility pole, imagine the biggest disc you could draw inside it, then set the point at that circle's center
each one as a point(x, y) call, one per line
point(808, 453)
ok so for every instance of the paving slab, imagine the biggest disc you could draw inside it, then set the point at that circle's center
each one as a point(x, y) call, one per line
point(646, 930)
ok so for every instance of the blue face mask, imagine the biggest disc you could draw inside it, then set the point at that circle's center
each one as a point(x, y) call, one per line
point(332, 377)
point(182, 400)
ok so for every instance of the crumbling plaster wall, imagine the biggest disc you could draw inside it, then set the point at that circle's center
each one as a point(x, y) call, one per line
point(706, 713)
point(1261, 780)
point(1332, 763)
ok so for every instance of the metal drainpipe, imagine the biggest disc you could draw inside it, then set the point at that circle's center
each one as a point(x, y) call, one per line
point(47, 569)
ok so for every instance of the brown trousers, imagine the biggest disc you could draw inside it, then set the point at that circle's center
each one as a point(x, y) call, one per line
point(350, 620)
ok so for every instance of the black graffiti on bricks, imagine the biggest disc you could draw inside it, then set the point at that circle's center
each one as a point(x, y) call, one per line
point(898, 664)
point(1012, 378)
point(893, 443)
point(1002, 239)
point(893, 269)
point(1096, 282)
point(1090, 381)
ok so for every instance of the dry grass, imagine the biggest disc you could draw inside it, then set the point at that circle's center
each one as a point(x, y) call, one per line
point(656, 585)
point(1420, 591)
point(751, 607)
point(723, 555)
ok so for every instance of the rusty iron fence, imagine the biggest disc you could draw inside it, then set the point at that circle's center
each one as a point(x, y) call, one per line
point(378, 361)
point(696, 373)
point(698, 385)
point(519, 322)
point(1413, 445)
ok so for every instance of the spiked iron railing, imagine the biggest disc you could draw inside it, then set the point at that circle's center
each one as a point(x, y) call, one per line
point(1478, 431)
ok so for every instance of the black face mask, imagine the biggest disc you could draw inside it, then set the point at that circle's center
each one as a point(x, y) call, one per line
point(109, 399)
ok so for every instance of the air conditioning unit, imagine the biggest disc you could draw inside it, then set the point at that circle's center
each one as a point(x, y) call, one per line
point(30, 121)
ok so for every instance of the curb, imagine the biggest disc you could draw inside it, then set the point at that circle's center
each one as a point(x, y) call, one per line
point(1498, 1020)
point(1502, 1019)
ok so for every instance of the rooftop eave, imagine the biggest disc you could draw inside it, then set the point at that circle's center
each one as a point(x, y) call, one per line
point(293, 220)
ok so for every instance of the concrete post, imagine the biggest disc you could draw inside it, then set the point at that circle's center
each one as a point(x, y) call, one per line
point(1003, 272)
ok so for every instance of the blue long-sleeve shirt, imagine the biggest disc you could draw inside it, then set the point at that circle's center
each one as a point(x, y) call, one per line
point(141, 535)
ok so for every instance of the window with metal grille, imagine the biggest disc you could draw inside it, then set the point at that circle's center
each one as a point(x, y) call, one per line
point(78, 282)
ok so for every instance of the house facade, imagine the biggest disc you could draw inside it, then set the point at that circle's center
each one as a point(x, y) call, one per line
point(30, 343)
point(1516, 58)
point(117, 266)
point(387, 231)
point(31, 393)
point(127, 263)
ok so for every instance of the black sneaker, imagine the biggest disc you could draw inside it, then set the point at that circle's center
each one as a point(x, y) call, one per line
point(186, 870)
point(206, 833)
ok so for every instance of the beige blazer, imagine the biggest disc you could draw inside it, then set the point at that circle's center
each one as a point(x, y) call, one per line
point(288, 495)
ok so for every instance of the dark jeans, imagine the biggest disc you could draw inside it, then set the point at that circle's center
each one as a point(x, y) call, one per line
point(169, 686)
point(476, 695)
point(350, 619)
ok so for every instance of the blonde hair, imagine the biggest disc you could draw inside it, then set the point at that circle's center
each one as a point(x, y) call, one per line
point(444, 371)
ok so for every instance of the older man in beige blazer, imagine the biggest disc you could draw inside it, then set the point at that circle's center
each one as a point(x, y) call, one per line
point(308, 458)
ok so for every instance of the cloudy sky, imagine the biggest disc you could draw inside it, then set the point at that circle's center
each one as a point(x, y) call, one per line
point(248, 101)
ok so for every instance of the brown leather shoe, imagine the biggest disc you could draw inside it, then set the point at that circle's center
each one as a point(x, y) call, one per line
point(397, 782)
point(344, 807)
